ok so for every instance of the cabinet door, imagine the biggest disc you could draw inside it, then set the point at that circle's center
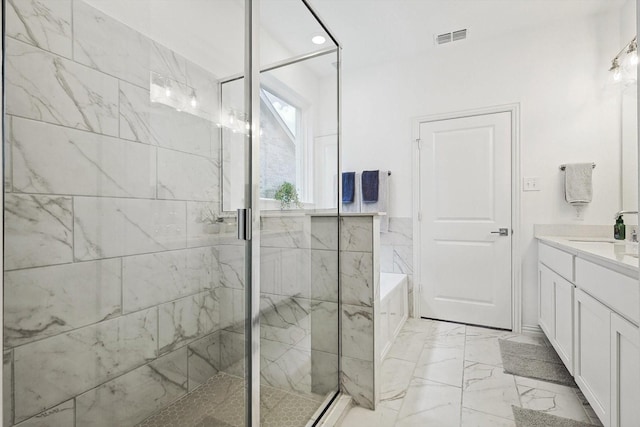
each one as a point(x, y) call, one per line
point(593, 355)
point(564, 321)
point(546, 301)
point(625, 372)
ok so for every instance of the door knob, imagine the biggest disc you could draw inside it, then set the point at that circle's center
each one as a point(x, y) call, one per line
point(501, 231)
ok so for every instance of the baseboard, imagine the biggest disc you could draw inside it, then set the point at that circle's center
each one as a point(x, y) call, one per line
point(532, 330)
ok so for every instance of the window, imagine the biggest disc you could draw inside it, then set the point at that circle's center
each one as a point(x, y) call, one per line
point(282, 146)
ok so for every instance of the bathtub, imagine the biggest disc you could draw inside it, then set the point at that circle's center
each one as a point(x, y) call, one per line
point(393, 308)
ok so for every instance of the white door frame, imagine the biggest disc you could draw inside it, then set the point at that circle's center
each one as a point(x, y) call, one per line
point(516, 256)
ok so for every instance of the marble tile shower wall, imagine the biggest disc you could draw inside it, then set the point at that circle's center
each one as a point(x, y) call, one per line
point(299, 321)
point(396, 251)
point(115, 267)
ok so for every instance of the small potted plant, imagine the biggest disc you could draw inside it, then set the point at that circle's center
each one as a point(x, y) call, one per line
point(287, 195)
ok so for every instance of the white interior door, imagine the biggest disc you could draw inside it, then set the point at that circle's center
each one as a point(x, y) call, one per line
point(465, 199)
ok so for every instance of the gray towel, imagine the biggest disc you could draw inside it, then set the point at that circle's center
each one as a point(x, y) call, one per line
point(578, 188)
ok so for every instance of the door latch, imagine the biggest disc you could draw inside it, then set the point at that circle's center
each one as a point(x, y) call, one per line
point(501, 231)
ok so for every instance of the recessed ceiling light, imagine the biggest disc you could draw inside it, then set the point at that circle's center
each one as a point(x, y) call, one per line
point(318, 39)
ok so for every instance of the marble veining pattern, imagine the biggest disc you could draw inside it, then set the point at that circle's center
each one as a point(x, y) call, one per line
point(38, 229)
point(62, 415)
point(152, 279)
point(130, 398)
point(106, 227)
point(46, 87)
point(184, 176)
point(94, 165)
point(356, 234)
point(357, 278)
point(44, 24)
point(443, 388)
point(357, 332)
point(55, 369)
point(46, 301)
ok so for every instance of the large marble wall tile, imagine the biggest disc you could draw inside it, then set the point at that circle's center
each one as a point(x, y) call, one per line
point(40, 302)
point(204, 359)
point(284, 319)
point(286, 231)
point(357, 332)
point(232, 353)
point(324, 326)
point(131, 398)
point(112, 47)
point(400, 232)
point(37, 230)
point(324, 275)
point(290, 372)
point(324, 233)
point(203, 229)
point(60, 416)
point(46, 87)
point(55, 369)
point(152, 279)
point(94, 165)
point(8, 186)
point(324, 372)
point(157, 124)
point(106, 227)
point(356, 234)
point(285, 272)
point(42, 23)
point(7, 388)
point(403, 259)
point(187, 319)
point(229, 265)
point(184, 176)
point(357, 380)
point(232, 308)
point(357, 278)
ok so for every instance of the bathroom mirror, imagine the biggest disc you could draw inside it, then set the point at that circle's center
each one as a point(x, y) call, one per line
point(629, 136)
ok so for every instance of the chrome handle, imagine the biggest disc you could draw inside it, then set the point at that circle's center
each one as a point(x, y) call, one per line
point(501, 231)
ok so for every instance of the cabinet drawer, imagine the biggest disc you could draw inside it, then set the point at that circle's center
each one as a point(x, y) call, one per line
point(617, 291)
point(559, 261)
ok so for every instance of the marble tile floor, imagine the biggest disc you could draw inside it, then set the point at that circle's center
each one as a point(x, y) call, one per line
point(220, 403)
point(445, 374)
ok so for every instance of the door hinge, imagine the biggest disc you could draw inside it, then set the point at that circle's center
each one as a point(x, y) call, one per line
point(244, 224)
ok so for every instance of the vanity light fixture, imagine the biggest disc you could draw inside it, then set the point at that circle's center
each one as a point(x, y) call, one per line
point(615, 69)
point(318, 39)
point(629, 55)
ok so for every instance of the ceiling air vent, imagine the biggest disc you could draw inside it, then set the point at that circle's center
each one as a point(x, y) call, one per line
point(453, 36)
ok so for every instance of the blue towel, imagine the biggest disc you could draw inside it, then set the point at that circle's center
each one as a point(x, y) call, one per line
point(370, 184)
point(348, 186)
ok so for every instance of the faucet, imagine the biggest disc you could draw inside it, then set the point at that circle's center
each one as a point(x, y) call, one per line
point(624, 213)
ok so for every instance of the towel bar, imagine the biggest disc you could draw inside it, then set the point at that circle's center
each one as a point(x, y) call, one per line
point(563, 167)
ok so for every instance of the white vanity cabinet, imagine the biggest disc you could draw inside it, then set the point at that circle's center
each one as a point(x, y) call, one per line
point(590, 312)
point(555, 300)
point(593, 358)
point(625, 372)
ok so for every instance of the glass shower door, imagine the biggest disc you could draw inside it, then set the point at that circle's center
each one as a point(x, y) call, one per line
point(124, 282)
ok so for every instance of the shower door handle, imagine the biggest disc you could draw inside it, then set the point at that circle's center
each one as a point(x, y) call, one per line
point(244, 224)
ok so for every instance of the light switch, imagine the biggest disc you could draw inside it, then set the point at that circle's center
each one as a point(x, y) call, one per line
point(531, 183)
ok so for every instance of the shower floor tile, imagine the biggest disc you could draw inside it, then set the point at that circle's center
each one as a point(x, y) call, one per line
point(220, 403)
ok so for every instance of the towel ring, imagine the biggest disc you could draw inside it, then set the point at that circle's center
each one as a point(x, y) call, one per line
point(563, 167)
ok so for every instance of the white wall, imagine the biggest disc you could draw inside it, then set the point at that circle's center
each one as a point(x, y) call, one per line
point(569, 113)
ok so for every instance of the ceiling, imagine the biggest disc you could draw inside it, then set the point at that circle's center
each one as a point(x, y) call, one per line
point(211, 32)
point(372, 31)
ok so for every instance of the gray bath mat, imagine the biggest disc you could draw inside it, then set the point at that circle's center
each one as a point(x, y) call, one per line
point(530, 418)
point(534, 361)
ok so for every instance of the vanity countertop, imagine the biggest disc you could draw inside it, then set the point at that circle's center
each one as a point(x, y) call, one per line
point(621, 256)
